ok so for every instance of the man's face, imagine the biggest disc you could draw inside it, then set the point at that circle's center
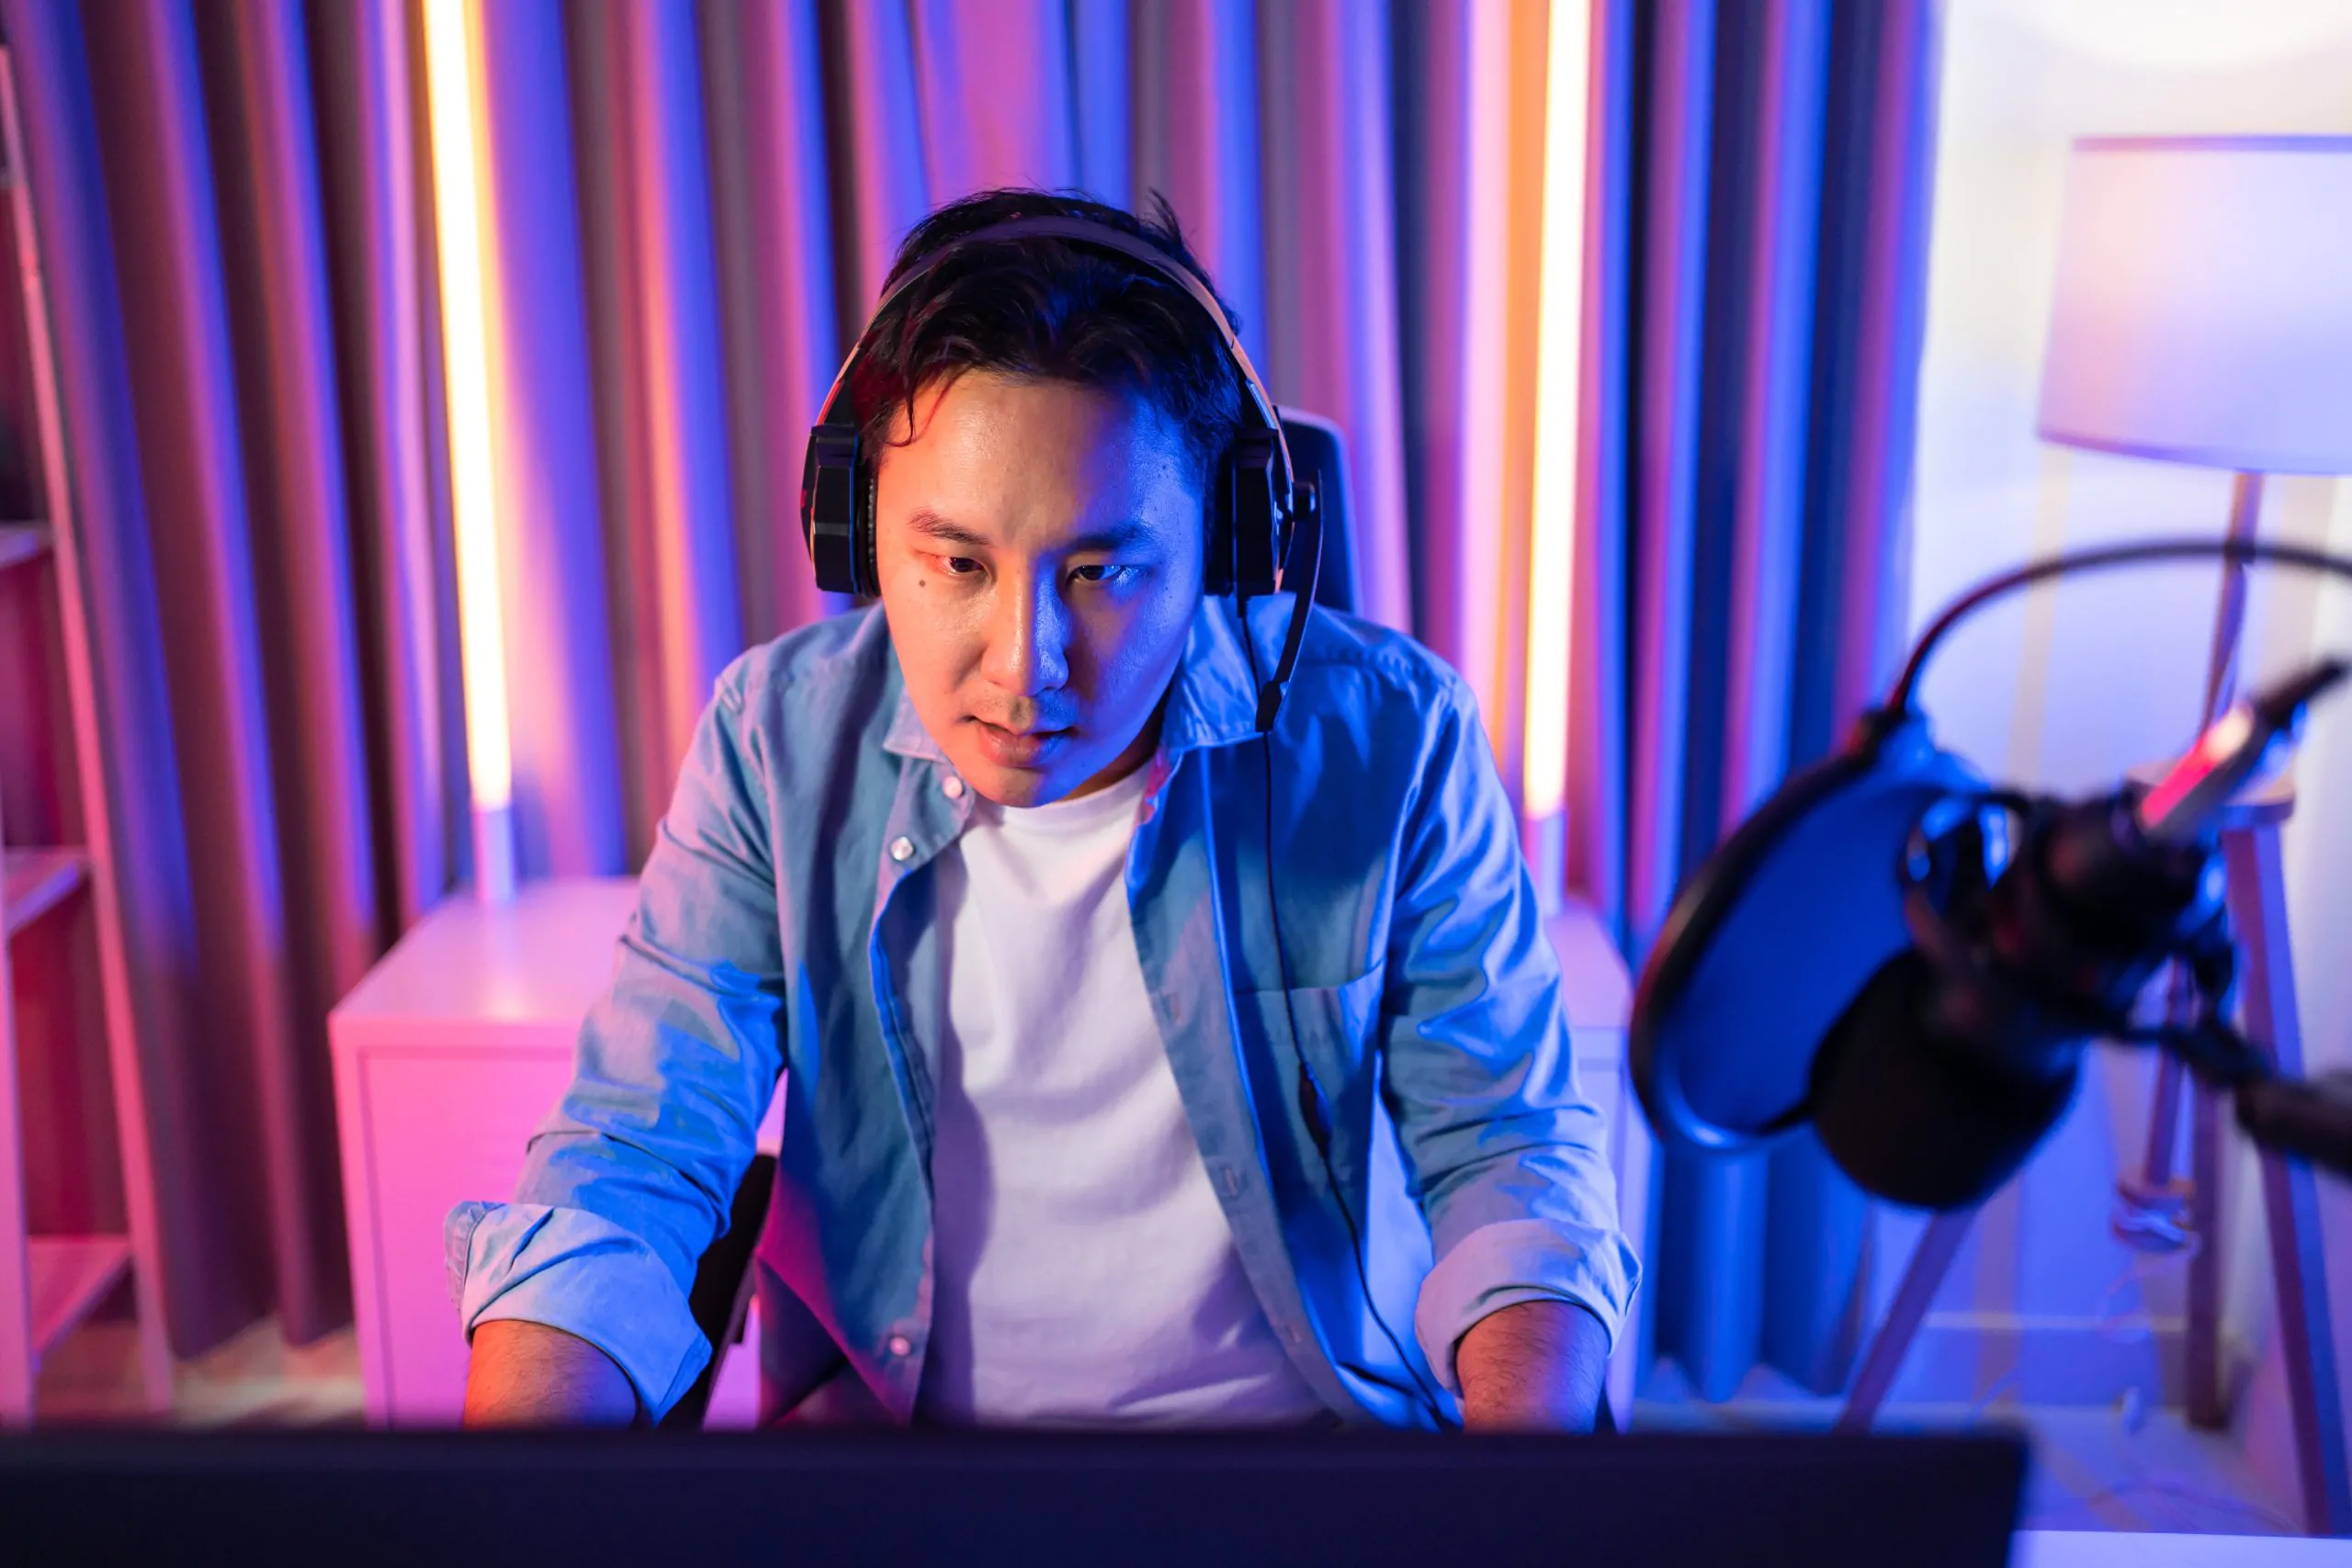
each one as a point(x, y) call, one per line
point(1039, 549)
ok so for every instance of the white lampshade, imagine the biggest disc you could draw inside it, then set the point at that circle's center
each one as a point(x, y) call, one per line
point(2204, 303)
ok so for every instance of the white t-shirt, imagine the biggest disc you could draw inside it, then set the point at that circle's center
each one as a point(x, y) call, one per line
point(1083, 1268)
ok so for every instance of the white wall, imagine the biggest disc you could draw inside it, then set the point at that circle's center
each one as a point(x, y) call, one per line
point(2067, 690)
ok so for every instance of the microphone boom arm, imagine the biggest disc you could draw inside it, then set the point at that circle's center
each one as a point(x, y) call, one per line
point(2253, 552)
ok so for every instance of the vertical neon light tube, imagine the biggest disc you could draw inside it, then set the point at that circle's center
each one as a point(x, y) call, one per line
point(1559, 411)
point(457, 150)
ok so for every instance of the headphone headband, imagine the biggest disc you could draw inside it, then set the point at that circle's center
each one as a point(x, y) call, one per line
point(1083, 231)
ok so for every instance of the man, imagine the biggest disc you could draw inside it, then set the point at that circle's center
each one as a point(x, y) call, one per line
point(1137, 1067)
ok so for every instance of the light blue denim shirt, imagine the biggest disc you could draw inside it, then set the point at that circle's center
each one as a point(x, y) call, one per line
point(784, 924)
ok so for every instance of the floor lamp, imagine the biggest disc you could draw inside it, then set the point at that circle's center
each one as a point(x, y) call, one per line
point(2203, 315)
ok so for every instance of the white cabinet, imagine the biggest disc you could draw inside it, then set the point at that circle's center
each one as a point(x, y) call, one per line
point(447, 1057)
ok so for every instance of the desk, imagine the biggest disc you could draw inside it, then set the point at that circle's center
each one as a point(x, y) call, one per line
point(2131, 1548)
point(455, 1046)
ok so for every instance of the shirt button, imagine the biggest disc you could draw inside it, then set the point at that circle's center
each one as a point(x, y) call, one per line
point(900, 1345)
point(951, 787)
point(901, 848)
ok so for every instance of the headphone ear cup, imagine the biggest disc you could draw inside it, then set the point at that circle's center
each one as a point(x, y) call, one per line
point(869, 574)
point(1256, 517)
point(1217, 556)
point(831, 490)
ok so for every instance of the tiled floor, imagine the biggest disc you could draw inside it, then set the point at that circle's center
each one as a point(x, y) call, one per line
point(2089, 1470)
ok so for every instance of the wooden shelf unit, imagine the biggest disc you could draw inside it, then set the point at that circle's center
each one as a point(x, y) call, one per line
point(22, 543)
point(70, 1275)
point(33, 881)
point(50, 1284)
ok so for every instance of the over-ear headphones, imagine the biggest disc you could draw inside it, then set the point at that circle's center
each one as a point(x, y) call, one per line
point(1260, 508)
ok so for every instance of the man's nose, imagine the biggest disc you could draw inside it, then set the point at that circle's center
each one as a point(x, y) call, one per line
point(1028, 637)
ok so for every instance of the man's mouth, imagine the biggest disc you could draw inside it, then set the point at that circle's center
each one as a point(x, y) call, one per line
point(1017, 747)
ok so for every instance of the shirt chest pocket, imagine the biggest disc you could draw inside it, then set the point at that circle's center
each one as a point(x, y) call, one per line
point(1335, 1027)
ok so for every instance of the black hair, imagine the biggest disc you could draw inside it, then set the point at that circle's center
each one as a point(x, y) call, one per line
point(1049, 309)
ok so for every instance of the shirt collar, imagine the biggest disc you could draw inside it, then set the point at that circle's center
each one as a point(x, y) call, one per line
point(1213, 701)
point(907, 737)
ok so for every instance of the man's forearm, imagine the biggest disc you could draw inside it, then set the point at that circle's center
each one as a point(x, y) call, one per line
point(526, 1374)
point(1535, 1366)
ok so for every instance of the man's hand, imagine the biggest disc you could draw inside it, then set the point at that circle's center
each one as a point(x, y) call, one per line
point(1534, 1367)
point(526, 1374)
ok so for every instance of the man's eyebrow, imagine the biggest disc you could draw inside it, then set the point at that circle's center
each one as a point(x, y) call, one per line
point(939, 530)
point(1118, 537)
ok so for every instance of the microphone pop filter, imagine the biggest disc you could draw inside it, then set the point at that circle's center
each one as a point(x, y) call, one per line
point(1771, 941)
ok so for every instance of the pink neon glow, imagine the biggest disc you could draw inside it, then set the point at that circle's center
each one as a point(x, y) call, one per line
point(456, 164)
point(1559, 412)
point(1485, 355)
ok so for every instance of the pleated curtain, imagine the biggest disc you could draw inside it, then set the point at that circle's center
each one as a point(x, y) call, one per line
point(693, 207)
point(1761, 175)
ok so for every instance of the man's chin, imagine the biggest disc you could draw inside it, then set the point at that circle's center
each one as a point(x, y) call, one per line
point(1016, 787)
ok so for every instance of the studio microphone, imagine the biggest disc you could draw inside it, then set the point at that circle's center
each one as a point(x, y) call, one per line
point(1912, 960)
point(1962, 1049)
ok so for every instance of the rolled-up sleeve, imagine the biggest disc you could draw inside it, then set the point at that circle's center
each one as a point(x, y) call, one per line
point(1507, 1155)
point(575, 1270)
point(631, 1177)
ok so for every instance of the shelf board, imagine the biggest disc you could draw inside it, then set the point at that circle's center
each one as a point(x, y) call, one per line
point(70, 1275)
point(21, 542)
point(33, 881)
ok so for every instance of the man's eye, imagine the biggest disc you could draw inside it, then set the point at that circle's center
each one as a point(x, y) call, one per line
point(958, 566)
point(1102, 572)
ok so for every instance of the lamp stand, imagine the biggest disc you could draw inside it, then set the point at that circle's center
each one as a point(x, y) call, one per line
point(2154, 1204)
point(2158, 1201)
